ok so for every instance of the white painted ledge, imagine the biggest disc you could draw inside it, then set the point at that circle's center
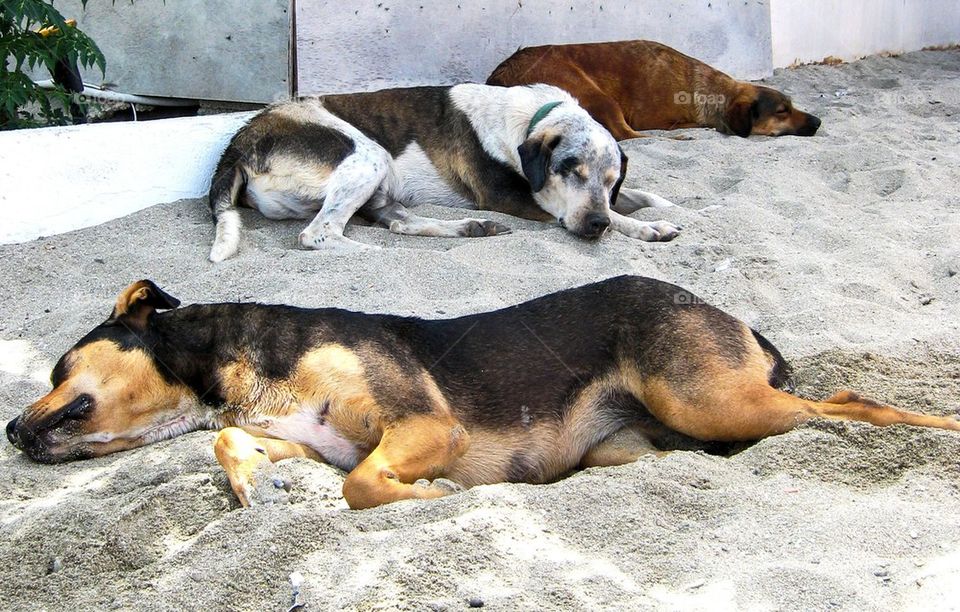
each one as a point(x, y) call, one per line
point(56, 180)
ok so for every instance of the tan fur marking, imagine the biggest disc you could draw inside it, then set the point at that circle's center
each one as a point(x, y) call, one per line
point(330, 375)
point(621, 447)
point(130, 396)
point(419, 447)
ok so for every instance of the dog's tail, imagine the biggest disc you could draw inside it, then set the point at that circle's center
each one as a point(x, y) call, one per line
point(228, 183)
point(781, 375)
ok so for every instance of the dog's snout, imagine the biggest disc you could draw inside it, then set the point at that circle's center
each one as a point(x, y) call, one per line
point(12, 432)
point(595, 224)
point(810, 127)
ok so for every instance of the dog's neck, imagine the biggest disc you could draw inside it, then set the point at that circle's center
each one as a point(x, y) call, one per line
point(189, 345)
point(500, 116)
point(715, 93)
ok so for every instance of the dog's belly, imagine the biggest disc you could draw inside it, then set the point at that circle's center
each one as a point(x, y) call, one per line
point(305, 428)
point(417, 181)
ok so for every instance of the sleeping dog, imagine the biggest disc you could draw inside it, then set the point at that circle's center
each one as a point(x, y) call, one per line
point(411, 408)
point(635, 85)
point(531, 152)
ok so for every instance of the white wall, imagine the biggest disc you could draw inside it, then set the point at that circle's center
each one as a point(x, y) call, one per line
point(55, 180)
point(810, 30)
point(392, 43)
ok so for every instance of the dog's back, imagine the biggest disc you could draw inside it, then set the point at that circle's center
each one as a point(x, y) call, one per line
point(627, 86)
point(635, 85)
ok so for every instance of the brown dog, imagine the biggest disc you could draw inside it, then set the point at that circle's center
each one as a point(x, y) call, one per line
point(593, 376)
point(636, 85)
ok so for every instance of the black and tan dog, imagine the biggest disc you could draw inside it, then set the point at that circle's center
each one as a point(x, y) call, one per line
point(413, 408)
point(530, 152)
point(636, 85)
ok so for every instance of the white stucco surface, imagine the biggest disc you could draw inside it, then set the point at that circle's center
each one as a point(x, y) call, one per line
point(810, 30)
point(397, 43)
point(55, 180)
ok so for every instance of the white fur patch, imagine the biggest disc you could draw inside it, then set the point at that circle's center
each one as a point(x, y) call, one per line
point(416, 181)
point(304, 428)
point(226, 242)
point(500, 115)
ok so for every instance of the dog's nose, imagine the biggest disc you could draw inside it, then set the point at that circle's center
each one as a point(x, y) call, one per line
point(596, 223)
point(12, 432)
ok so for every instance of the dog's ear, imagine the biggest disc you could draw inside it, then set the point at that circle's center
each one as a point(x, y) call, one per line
point(615, 192)
point(137, 302)
point(535, 154)
point(740, 117)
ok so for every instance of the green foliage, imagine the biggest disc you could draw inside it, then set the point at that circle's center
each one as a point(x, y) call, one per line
point(22, 103)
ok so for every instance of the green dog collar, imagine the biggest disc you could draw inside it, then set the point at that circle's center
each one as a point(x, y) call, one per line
point(538, 116)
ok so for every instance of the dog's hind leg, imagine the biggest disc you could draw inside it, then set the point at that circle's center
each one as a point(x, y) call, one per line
point(248, 462)
point(622, 446)
point(399, 220)
point(351, 185)
point(410, 454)
point(745, 410)
point(656, 231)
point(632, 200)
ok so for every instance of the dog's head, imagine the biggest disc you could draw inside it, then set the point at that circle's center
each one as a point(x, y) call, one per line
point(764, 111)
point(109, 391)
point(575, 169)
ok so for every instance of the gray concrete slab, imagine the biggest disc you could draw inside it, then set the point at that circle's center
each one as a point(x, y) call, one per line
point(210, 50)
point(371, 44)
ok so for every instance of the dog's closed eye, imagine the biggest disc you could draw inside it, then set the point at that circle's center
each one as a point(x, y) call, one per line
point(571, 166)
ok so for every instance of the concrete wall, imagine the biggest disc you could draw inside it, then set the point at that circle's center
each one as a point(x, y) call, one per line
point(385, 43)
point(810, 30)
point(209, 49)
point(55, 180)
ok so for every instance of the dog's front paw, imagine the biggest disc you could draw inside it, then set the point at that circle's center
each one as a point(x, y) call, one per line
point(476, 228)
point(659, 231)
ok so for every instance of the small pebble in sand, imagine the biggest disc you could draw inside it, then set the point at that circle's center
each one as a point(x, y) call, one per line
point(475, 602)
point(55, 565)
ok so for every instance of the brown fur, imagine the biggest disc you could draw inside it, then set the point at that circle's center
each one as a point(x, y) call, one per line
point(631, 86)
point(417, 409)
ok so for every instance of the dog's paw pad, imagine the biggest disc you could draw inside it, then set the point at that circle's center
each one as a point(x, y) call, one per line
point(495, 229)
point(478, 228)
point(665, 231)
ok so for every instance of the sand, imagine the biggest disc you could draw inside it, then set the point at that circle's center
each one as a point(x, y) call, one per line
point(843, 249)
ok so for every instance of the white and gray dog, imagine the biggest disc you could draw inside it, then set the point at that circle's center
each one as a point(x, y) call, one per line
point(529, 151)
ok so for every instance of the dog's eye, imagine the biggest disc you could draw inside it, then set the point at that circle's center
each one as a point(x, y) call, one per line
point(567, 166)
point(783, 110)
point(79, 408)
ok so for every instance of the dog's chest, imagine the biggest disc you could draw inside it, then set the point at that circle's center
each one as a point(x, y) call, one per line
point(318, 433)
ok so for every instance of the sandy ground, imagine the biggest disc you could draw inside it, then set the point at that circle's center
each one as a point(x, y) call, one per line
point(843, 249)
